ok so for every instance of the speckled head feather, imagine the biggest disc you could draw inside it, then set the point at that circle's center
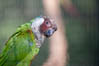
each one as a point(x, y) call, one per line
point(45, 25)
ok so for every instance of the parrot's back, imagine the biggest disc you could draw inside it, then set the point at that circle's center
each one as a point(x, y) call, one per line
point(20, 49)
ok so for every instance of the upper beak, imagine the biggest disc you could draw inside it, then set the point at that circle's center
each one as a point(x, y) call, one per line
point(55, 28)
point(49, 32)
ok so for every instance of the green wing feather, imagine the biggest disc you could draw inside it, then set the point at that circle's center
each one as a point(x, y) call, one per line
point(20, 48)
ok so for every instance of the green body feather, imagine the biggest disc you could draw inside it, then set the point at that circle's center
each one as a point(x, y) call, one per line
point(20, 49)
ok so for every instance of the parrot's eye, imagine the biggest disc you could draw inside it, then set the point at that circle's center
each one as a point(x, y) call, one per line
point(48, 24)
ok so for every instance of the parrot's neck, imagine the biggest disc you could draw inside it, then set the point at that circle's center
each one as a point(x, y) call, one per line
point(35, 29)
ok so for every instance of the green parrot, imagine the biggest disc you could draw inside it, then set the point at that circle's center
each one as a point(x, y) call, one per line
point(22, 47)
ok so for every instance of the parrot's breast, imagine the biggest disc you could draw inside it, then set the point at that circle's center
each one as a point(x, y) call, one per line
point(20, 49)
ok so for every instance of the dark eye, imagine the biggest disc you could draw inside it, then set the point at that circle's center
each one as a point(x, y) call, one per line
point(47, 23)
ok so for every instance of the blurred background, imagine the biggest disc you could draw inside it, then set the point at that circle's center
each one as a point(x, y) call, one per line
point(80, 21)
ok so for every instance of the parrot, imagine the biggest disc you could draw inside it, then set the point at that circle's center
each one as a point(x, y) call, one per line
point(22, 47)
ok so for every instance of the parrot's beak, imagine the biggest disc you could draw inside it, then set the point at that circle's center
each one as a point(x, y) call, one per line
point(50, 32)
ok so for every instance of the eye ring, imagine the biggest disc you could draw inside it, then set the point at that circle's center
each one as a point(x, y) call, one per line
point(47, 23)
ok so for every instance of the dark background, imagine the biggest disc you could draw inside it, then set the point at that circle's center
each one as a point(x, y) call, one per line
point(82, 32)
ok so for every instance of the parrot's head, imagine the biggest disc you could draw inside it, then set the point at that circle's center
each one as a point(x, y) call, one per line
point(45, 25)
point(48, 27)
